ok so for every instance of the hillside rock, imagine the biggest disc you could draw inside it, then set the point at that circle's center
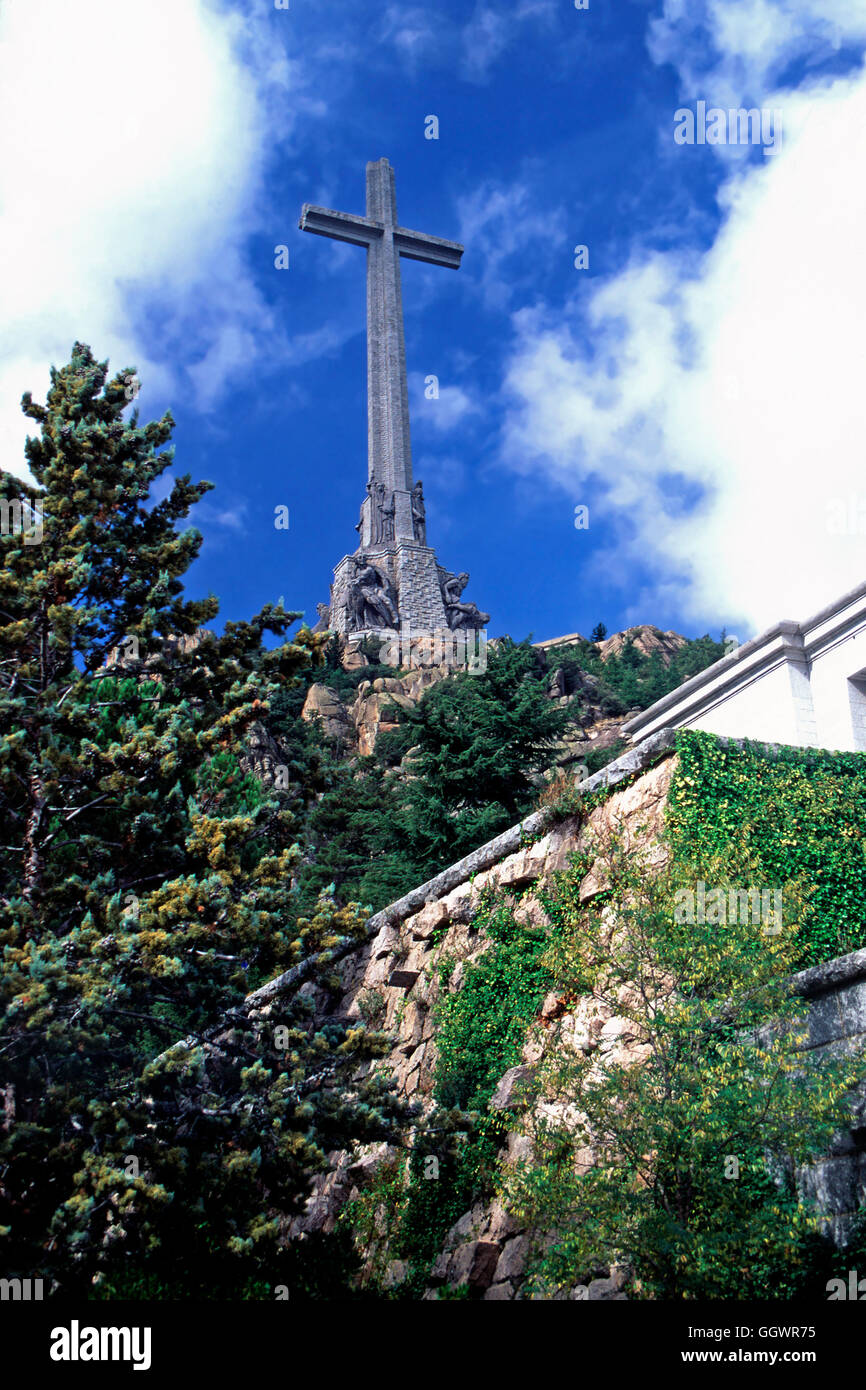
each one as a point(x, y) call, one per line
point(324, 703)
point(374, 711)
point(647, 639)
point(358, 721)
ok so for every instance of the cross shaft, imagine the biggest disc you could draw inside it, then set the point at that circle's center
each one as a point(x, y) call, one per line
point(389, 452)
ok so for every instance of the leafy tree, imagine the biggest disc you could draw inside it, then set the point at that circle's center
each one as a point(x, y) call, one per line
point(599, 632)
point(158, 1130)
point(674, 1150)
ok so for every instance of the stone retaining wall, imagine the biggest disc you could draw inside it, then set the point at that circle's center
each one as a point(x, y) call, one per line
point(835, 993)
point(398, 969)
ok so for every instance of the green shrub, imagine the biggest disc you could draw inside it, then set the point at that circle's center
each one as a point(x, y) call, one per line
point(482, 1026)
point(803, 813)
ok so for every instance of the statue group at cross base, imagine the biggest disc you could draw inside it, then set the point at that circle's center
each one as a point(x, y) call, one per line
point(382, 514)
point(372, 603)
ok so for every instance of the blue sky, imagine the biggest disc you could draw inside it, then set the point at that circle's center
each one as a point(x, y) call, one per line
point(699, 387)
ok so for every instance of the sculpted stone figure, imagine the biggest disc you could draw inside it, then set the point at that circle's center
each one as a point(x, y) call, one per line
point(459, 614)
point(419, 522)
point(324, 613)
point(388, 521)
point(371, 601)
point(359, 525)
point(378, 513)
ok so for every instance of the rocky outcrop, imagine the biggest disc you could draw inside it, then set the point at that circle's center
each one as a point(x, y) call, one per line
point(356, 722)
point(324, 704)
point(646, 639)
point(374, 709)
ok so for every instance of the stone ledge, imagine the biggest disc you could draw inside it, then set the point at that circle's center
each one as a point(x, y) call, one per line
point(635, 761)
point(830, 975)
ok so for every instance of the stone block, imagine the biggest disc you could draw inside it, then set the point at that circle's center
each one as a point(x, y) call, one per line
point(469, 1222)
point(512, 1261)
point(460, 903)
point(610, 1289)
point(512, 1090)
point(513, 870)
point(498, 1293)
point(401, 978)
point(425, 922)
point(396, 1273)
point(840, 1013)
point(417, 957)
point(364, 1169)
point(518, 1148)
point(499, 1224)
point(531, 913)
point(474, 1264)
point(412, 1027)
point(385, 942)
point(604, 1291)
point(377, 973)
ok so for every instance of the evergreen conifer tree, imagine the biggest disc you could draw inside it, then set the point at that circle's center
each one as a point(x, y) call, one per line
point(145, 889)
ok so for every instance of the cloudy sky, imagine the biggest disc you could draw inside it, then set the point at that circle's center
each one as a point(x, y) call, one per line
point(700, 386)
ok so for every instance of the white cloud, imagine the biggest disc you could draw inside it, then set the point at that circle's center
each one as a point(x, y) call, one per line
point(443, 412)
point(726, 50)
point(485, 38)
point(492, 30)
point(501, 224)
point(131, 149)
point(412, 31)
point(741, 372)
point(421, 35)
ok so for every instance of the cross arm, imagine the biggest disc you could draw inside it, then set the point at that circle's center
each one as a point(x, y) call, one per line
point(342, 226)
point(416, 246)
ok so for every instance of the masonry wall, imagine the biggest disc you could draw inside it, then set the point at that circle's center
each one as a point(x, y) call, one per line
point(835, 995)
point(486, 1248)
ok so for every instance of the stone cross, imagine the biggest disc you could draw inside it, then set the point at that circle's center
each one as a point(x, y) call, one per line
point(388, 443)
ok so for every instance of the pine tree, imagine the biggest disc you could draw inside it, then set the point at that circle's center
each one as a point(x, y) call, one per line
point(356, 839)
point(479, 741)
point(158, 1135)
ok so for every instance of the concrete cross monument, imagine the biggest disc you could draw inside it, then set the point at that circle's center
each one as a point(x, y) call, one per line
point(393, 579)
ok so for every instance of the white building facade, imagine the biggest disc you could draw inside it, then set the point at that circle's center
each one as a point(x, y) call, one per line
point(798, 683)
